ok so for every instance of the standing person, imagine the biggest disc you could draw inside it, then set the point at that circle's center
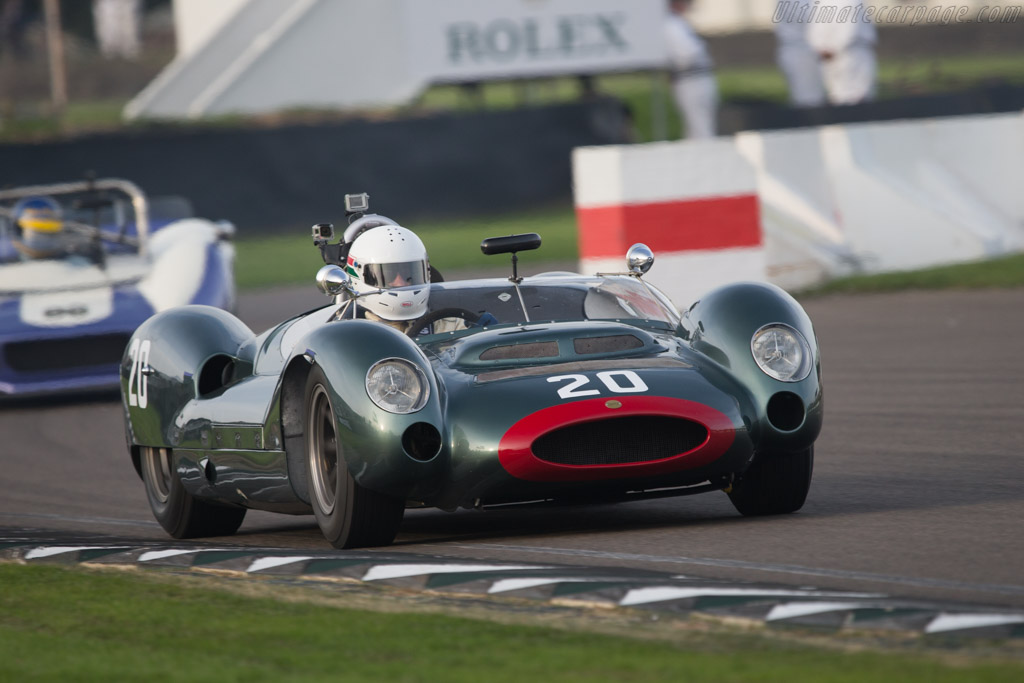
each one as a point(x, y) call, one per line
point(693, 81)
point(13, 21)
point(795, 56)
point(845, 43)
point(118, 26)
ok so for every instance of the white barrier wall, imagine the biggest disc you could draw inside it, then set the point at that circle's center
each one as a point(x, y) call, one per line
point(802, 206)
point(253, 56)
point(695, 204)
point(196, 21)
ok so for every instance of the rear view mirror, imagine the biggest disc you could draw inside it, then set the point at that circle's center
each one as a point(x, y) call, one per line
point(510, 244)
point(332, 280)
point(639, 258)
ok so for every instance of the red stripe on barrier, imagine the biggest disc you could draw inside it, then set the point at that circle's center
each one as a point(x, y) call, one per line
point(685, 225)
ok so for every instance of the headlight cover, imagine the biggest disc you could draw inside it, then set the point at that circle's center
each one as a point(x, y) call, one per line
point(781, 352)
point(397, 386)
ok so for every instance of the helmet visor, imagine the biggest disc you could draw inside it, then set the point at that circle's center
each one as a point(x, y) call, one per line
point(40, 220)
point(388, 275)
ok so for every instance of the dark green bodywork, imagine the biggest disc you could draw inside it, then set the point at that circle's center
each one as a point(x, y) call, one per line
point(230, 404)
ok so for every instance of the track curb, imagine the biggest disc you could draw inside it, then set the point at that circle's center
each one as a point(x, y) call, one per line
point(552, 585)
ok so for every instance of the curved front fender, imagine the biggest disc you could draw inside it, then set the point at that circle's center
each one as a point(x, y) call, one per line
point(161, 365)
point(372, 438)
point(721, 325)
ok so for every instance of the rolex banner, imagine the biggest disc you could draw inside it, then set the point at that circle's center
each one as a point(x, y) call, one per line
point(467, 40)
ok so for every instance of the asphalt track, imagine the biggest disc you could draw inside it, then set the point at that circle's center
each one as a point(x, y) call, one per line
point(918, 488)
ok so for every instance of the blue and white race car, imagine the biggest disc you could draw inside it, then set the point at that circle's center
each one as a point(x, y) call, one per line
point(82, 264)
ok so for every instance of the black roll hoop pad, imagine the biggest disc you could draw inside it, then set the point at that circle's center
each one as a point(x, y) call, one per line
point(510, 243)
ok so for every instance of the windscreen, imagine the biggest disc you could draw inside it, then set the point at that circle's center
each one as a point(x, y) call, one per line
point(555, 299)
point(616, 299)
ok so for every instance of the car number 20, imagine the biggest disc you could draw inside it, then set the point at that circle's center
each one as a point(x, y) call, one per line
point(138, 385)
point(616, 381)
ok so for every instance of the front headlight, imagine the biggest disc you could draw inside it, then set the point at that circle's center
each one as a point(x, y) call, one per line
point(781, 352)
point(397, 386)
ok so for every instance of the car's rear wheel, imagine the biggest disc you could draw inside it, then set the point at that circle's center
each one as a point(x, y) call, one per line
point(178, 512)
point(349, 515)
point(774, 484)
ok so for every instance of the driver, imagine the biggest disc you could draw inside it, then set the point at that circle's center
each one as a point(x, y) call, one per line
point(42, 228)
point(393, 258)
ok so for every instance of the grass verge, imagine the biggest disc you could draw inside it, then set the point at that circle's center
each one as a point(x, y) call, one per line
point(269, 261)
point(73, 624)
point(1007, 271)
point(455, 244)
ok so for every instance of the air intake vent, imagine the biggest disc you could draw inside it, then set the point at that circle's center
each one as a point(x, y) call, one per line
point(217, 372)
point(66, 354)
point(620, 441)
point(611, 344)
point(786, 411)
point(548, 349)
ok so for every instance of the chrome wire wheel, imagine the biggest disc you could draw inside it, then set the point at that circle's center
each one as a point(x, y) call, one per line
point(323, 450)
point(157, 465)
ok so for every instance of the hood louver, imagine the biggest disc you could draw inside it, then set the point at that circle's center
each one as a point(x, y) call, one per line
point(583, 346)
point(546, 349)
point(586, 346)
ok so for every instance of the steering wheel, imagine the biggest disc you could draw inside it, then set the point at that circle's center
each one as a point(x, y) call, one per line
point(469, 316)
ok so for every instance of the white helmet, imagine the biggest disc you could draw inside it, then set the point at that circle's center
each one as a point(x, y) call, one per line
point(386, 257)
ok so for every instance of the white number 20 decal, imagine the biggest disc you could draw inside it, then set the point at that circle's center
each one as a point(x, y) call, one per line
point(138, 378)
point(617, 381)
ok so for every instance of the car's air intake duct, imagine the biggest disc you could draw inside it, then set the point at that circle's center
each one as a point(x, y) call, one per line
point(620, 441)
point(786, 411)
point(421, 441)
point(609, 344)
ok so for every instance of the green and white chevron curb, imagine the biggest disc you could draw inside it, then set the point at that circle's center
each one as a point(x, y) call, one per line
point(558, 585)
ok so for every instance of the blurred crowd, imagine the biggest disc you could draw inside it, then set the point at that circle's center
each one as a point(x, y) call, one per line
point(827, 60)
point(117, 26)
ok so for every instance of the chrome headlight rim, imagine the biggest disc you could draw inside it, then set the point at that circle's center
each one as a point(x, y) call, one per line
point(806, 361)
point(424, 386)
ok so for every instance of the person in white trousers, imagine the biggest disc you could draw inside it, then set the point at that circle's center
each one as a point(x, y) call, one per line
point(693, 80)
point(118, 25)
point(795, 56)
point(846, 47)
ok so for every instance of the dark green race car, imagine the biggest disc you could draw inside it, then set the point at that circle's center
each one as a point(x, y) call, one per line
point(587, 388)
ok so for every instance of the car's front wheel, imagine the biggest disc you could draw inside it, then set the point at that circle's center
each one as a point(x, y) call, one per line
point(349, 515)
point(774, 484)
point(178, 512)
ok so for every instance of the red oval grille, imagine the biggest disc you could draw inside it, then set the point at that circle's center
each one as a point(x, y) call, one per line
point(620, 441)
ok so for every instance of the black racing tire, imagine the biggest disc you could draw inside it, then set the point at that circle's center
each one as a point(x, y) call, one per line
point(774, 484)
point(178, 512)
point(349, 515)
